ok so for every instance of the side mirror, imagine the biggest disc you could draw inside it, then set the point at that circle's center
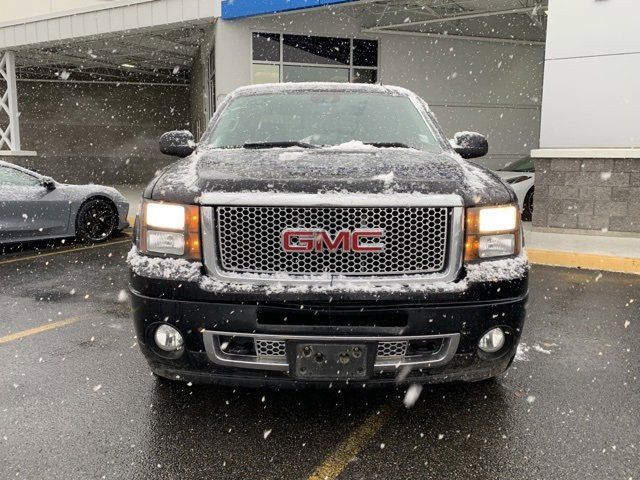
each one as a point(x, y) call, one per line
point(177, 143)
point(470, 144)
point(48, 183)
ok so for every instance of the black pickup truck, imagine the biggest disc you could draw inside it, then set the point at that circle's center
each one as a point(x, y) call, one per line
point(327, 234)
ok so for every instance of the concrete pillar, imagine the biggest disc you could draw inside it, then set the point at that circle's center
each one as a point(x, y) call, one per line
point(588, 164)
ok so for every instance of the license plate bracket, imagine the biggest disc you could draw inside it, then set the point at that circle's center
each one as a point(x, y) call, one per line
point(330, 361)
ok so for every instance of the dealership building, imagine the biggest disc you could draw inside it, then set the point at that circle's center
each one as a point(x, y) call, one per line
point(88, 86)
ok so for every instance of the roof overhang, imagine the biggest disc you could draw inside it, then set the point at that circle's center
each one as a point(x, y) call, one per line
point(124, 41)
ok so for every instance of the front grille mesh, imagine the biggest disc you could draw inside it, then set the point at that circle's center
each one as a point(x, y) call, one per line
point(277, 348)
point(392, 349)
point(415, 239)
point(270, 348)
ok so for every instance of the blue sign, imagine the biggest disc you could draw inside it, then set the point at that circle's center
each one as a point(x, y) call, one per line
point(249, 8)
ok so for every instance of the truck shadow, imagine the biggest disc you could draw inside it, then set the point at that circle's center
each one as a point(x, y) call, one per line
point(264, 433)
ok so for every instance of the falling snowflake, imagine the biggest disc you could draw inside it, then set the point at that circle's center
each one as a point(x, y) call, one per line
point(412, 395)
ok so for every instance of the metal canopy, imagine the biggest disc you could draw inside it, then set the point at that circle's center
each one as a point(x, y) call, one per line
point(515, 20)
point(148, 56)
point(9, 125)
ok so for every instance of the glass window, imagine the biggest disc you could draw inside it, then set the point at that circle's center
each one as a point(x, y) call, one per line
point(297, 73)
point(322, 118)
point(13, 177)
point(266, 47)
point(266, 73)
point(316, 50)
point(365, 53)
point(305, 58)
point(364, 75)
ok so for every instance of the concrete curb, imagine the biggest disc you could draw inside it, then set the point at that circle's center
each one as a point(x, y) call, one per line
point(589, 261)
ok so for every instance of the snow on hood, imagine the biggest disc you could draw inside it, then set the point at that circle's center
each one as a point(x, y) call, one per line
point(349, 168)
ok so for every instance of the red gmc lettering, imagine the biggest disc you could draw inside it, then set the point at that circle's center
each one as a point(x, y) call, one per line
point(323, 239)
point(319, 240)
point(304, 241)
point(357, 235)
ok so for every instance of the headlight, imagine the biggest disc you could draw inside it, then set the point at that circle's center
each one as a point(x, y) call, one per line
point(518, 179)
point(170, 229)
point(492, 232)
point(165, 216)
point(497, 219)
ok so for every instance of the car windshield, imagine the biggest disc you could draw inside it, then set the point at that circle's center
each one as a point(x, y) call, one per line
point(321, 119)
point(525, 164)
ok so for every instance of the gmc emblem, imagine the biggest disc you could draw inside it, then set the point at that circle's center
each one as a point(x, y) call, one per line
point(317, 240)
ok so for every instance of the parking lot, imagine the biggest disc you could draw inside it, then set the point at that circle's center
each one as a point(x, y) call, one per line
point(77, 399)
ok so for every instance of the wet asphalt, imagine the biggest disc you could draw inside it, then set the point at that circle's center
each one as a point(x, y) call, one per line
point(78, 402)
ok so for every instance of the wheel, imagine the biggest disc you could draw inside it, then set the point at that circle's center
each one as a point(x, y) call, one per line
point(97, 220)
point(527, 207)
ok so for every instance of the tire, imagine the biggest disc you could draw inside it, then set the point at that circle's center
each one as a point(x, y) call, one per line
point(97, 220)
point(527, 207)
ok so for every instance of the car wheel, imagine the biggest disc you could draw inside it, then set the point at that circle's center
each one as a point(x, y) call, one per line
point(97, 220)
point(527, 208)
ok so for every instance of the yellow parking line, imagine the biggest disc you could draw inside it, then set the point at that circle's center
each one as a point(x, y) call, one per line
point(60, 252)
point(587, 261)
point(336, 462)
point(40, 329)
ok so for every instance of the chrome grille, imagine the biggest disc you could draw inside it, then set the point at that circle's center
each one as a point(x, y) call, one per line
point(392, 349)
point(270, 348)
point(415, 239)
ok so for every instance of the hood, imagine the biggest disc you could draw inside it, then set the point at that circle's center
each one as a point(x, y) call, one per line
point(357, 170)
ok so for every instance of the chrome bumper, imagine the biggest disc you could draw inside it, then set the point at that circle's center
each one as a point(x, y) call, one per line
point(218, 356)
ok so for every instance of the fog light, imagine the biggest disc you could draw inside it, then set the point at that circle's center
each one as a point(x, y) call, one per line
point(492, 341)
point(168, 338)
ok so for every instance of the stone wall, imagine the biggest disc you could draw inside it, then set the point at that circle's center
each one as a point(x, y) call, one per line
point(588, 194)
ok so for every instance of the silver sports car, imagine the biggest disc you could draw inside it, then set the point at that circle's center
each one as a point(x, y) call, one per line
point(35, 207)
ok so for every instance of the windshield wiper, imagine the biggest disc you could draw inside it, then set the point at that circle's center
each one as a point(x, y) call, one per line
point(388, 144)
point(259, 145)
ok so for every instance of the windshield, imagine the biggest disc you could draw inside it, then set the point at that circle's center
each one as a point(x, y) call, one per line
point(322, 119)
point(525, 164)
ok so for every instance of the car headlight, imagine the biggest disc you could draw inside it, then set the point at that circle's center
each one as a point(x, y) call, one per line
point(497, 219)
point(170, 229)
point(492, 232)
point(518, 179)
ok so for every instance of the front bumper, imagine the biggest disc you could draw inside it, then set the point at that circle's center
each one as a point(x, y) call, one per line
point(206, 318)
